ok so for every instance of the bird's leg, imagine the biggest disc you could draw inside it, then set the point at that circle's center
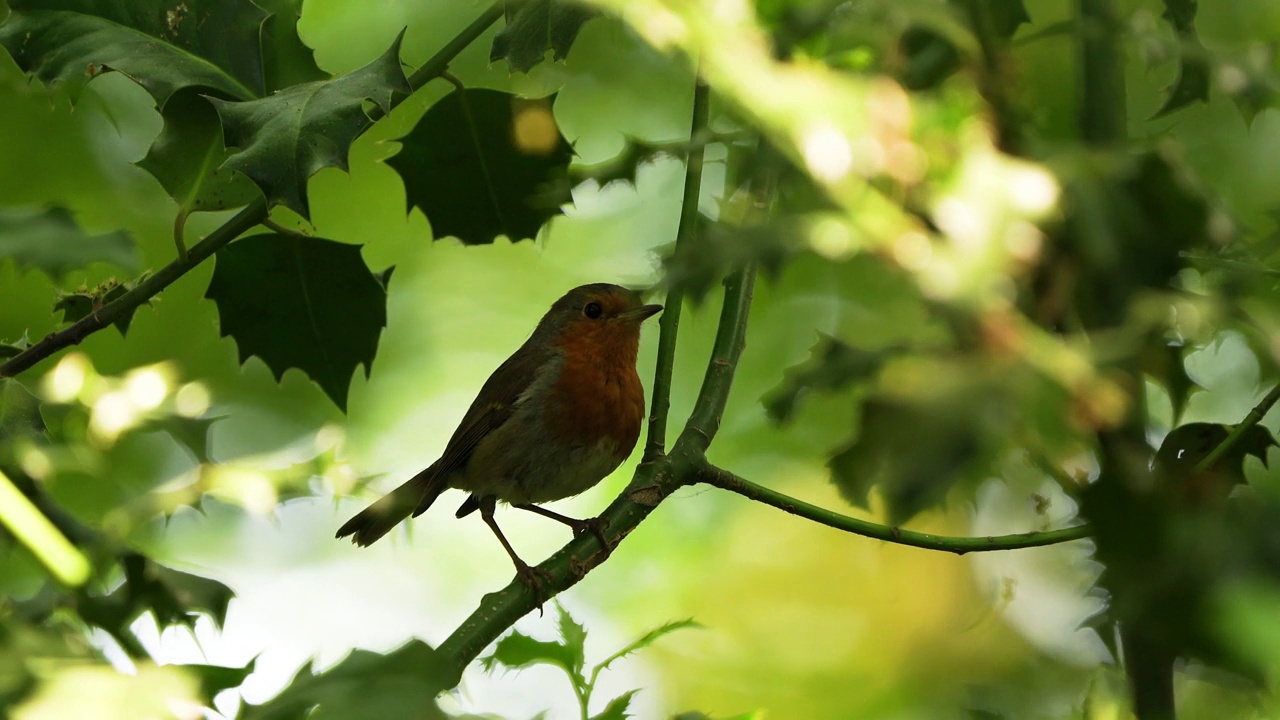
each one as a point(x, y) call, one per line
point(528, 574)
point(593, 525)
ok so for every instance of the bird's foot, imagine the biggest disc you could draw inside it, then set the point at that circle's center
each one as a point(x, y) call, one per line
point(534, 578)
point(595, 526)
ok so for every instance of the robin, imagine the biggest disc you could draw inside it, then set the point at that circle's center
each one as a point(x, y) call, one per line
point(552, 421)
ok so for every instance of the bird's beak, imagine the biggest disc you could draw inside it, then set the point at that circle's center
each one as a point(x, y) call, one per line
point(641, 313)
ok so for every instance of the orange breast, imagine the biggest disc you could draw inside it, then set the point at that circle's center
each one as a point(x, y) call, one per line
point(598, 395)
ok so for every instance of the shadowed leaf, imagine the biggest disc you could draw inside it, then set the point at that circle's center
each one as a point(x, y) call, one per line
point(536, 26)
point(832, 365)
point(299, 302)
point(187, 155)
point(483, 163)
point(75, 306)
point(50, 240)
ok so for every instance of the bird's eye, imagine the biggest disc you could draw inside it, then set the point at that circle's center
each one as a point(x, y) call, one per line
point(593, 310)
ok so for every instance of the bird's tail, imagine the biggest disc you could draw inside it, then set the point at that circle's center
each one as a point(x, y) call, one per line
point(413, 497)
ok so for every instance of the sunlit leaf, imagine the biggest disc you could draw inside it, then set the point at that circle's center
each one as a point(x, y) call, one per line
point(300, 302)
point(617, 708)
point(648, 639)
point(518, 650)
point(574, 636)
point(483, 163)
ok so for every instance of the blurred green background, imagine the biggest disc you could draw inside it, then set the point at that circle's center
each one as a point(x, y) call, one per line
point(800, 621)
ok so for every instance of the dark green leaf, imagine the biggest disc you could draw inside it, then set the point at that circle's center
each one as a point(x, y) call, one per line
point(14, 348)
point(75, 306)
point(52, 241)
point(188, 154)
point(617, 708)
point(536, 26)
point(1128, 221)
point(286, 138)
point(216, 678)
point(161, 46)
point(916, 450)
point(299, 302)
point(696, 267)
point(1192, 85)
point(832, 365)
point(518, 650)
point(483, 163)
point(1163, 361)
point(286, 60)
point(1187, 445)
point(574, 637)
point(401, 685)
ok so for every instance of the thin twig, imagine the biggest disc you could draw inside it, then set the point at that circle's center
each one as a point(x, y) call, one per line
point(726, 480)
point(669, 323)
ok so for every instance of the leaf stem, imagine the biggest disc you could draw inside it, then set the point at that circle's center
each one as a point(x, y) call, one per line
point(726, 480)
point(669, 323)
point(704, 422)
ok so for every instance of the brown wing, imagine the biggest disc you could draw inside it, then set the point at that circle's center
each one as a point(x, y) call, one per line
point(493, 406)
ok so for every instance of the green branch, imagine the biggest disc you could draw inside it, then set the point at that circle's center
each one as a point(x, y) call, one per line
point(726, 480)
point(669, 323)
point(143, 292)
point(252, 215)
point(1103, 112)
point(1237, 433)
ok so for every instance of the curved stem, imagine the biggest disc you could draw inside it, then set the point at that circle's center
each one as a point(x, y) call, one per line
point(730, 341)
point(669, 323)
point(726, 480)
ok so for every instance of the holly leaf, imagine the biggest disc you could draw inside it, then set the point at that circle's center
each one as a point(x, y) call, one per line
point(19, 412)
point(536, 26)
point(161, 46)
point(300, 302)
point(483, 163)
point(617, 708)
point(188, 154)
point(574, 636)
point(1192, 85)
point(16, 347)
point(75, 306)
point(1164, 362)
point(832, 365)
point(406, 680)
point(286, 138)
point(50, 240)
point(518, 650)
point(286, 60)
point(216, 678)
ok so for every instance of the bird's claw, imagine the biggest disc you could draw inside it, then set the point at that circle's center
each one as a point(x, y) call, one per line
point(595, 526)
point(533, 578)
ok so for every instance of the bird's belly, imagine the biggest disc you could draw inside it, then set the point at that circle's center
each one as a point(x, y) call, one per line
point(528, 471)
